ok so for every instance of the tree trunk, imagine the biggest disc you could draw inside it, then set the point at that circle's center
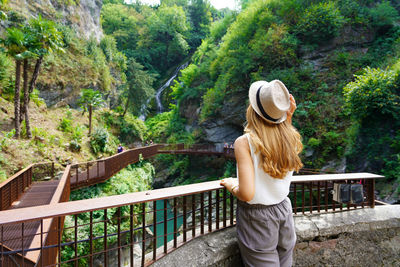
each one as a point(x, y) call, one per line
point(126, 107)
point(26, 100)
point(16, 97)
point(90, 119)
point(35, 74)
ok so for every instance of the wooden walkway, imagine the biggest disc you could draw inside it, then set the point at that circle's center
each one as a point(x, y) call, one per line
point(21, 236)
point(39, 193)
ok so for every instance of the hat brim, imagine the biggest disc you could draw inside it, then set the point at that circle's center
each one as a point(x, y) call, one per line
point(253, 102)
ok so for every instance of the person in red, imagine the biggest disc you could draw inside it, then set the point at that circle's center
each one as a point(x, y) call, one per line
point(266, 156)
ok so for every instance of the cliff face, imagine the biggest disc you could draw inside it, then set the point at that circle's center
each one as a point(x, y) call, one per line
point(229, 124)
point(81, 15)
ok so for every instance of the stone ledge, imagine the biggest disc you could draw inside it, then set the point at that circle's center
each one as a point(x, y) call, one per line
point(362, 237)
point(324, 225)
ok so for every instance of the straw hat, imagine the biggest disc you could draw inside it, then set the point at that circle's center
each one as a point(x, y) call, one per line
point(270, 100)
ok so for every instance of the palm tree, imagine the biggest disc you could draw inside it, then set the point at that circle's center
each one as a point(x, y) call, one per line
point(42, 38)
point(89, 100)
point(15, 43)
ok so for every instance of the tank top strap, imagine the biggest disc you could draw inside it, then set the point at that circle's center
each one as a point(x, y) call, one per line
point(250, 145)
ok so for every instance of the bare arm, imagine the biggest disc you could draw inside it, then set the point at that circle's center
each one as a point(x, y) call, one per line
point(291, 109)
point(246, 189)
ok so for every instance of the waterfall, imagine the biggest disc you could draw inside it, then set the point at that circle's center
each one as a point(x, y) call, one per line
point(159, 92)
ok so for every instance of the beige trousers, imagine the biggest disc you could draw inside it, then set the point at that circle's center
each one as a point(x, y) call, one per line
point(266, 234)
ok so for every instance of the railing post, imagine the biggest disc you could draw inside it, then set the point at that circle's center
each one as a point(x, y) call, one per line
point(87, 172)
point(165, 225)
point(202, 213)
point(193, 215)
point(175, 223)
point(143, 232)
point(131, 235)
point(119, 235)
point(295, 198)
point(184, 219)
point(91, 239)
point(154, 230)
point(371, 192)
point(105, 237)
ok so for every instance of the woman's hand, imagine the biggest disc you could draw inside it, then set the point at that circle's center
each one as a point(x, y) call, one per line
point(229, 183)
point(292, 108)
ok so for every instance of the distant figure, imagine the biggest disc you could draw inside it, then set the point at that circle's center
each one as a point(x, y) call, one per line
point(231, 146)
point(120, 148)
point(151, 142)
point(226, 145)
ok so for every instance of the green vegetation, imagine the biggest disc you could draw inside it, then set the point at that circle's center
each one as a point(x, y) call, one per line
point(373, 102)
point(136, 177)
point(88, 101)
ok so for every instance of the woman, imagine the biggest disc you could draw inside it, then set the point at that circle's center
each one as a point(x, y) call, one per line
point(266, 156)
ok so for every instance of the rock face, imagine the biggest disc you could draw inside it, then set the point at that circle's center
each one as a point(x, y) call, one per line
point(364, 237)
point(228, 125)
point(82, 15)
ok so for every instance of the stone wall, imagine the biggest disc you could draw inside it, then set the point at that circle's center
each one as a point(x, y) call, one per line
point(363, 237)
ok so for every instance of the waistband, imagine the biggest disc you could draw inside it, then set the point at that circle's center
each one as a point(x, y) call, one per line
point(258, 206)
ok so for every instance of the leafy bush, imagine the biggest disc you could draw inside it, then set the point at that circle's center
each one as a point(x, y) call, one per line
point(65, 125)
point(77, 133)
point(36, 99)
point(384, 14)
point(313, 142)
point(129, 128)
point(75, 146)
point(99, 140)
point(373, 94)
point(5, 70)
point(320, 22)
point(6, 139)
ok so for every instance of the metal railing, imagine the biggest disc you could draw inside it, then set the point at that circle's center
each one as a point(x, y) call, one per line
point(145, 226)
point(93, 172)
point(13, 188)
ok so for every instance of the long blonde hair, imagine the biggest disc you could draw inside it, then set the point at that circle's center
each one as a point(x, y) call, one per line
point(278, 145)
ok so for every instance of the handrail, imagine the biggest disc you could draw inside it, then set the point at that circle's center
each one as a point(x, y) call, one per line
point(16, 175)
point(13, 187)
point(51, 216)
point(79, 206)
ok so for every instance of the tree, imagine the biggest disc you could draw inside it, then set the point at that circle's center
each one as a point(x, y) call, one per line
point(89, 100)
point(15, 43)
point(3, 7)
point(200, 18)
point(167, 34)
point(138, 88)
point(42, 39)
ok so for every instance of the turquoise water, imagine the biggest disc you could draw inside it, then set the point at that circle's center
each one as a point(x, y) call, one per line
point(170, 223)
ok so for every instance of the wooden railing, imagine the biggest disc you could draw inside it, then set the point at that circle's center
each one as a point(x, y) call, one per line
point(13, 188)
point(194, 210)
point(93, 172)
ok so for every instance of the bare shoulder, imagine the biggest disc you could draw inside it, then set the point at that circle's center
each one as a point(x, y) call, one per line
point(241, 143)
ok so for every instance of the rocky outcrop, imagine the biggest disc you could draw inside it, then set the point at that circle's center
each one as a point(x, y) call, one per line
point(228, 124)
point(81, 15)
point(363, 237)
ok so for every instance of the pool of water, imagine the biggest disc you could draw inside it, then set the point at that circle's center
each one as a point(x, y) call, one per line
point(170, 222)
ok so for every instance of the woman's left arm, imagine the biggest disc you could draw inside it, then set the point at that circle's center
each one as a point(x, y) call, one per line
point(245, 189)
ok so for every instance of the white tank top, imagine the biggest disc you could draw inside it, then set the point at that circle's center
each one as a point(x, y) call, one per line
point(268, 190)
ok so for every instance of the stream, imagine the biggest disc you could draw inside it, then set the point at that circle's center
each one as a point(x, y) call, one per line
point(160, 107)
point(170, 223)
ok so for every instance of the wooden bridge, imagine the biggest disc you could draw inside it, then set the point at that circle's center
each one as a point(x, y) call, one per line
point(33, 210)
